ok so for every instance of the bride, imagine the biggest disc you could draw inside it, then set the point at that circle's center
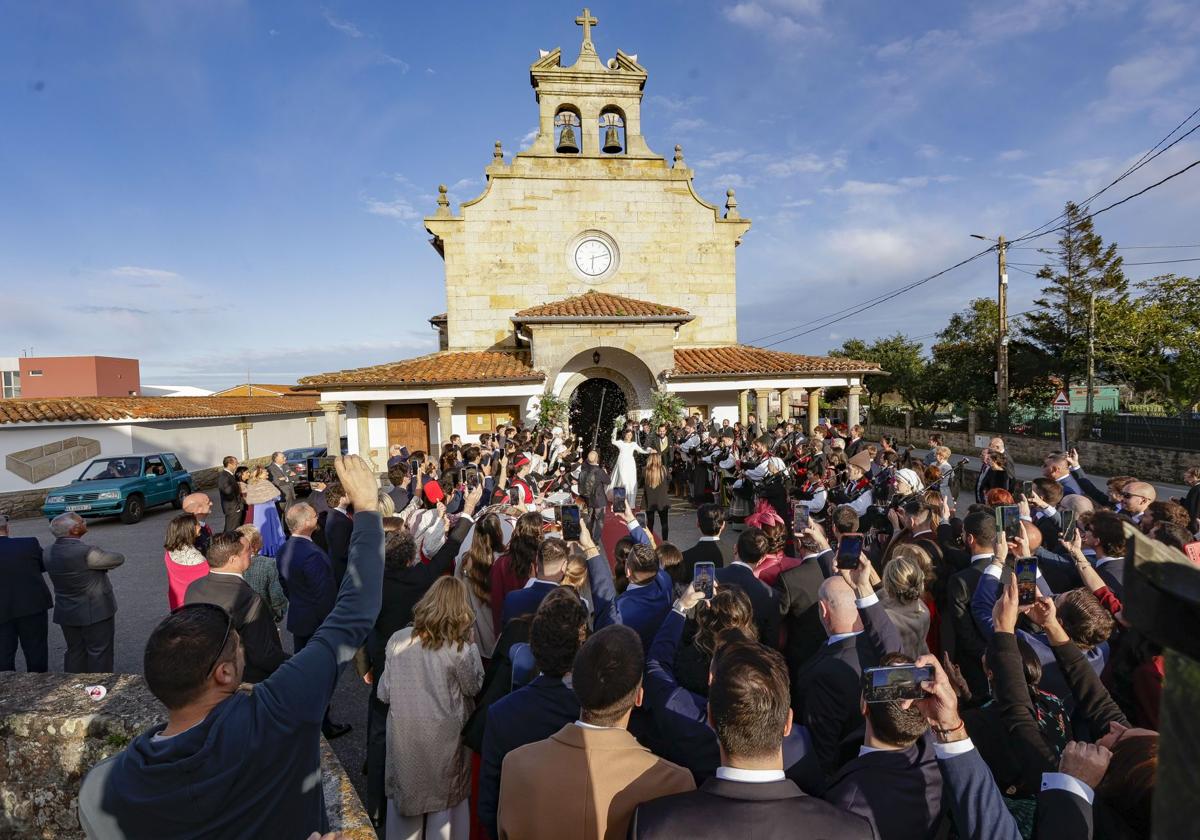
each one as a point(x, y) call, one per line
point(625, 473)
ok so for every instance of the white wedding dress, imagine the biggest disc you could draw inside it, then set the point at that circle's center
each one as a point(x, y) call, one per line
point(625, 472)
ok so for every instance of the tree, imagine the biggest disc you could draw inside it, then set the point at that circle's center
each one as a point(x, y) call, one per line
point(906, 370)
point(1058, 327)
point(1157, 348)
point(963, 366)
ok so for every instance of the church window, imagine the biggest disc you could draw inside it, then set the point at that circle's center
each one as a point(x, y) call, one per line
point(612, 131)
point(567, 125)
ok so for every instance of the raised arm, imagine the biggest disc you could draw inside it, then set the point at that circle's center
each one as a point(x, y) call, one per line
point(877, 625)
point(299, 690)
point(604, 590)
point(101, 561)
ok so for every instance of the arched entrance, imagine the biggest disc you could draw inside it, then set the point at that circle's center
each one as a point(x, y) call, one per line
point(595, 404)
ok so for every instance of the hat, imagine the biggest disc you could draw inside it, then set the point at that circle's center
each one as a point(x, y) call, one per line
point(433, 492)
point(862, 460)
point(912, 478)
point(520, 462)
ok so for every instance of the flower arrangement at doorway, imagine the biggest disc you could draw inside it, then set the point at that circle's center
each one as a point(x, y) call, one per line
point(665, 408)
point(552, 412)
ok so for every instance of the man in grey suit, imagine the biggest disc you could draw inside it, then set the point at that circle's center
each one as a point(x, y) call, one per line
point(84, 604)
point(281, 477)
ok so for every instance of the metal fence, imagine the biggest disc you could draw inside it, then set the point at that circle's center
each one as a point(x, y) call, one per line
point(1166, 432)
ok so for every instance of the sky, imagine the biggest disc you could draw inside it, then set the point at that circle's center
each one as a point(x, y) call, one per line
point(225, 189)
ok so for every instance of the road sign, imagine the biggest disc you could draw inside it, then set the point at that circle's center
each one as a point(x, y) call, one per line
point(1061, 402)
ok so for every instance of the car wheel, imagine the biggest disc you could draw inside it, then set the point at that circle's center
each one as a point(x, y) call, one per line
point(177, 502)
point(135, 506)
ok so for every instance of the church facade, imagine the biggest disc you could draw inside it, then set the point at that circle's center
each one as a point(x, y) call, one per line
point(587, 256)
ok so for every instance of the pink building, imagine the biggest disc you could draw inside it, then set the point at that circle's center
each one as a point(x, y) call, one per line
point(79, 376)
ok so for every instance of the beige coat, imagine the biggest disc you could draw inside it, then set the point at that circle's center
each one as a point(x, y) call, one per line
point(429, 693)
point(582, 783)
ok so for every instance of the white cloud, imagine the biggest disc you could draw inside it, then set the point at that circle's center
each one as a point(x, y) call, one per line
point(777, 19)
point(730, 179)
point(528, 137)
point(688, 124)
point(384, 58)
point(859, 189)
point(928, 151)
point(1012, 154)
point(429, 71)
point(398, 208)
point(796, 203)
point(722, 158)
point(802, 163)
point(666, 102)
point(140, 272)
point(344, 26)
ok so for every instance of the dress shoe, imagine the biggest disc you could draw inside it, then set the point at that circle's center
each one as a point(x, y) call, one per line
point(335, 730)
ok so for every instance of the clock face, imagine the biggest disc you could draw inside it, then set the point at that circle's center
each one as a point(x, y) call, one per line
point(593, 257)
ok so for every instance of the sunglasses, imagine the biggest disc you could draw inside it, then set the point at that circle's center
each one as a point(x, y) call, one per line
point(1132, 496)
point(224, 639)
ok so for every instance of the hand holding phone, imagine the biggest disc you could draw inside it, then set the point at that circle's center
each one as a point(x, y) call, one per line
point(849, 551)
point(1008, 520)
point(571, 528)
point(1068, 525)
point(618, 500)
point(895, 682)
point(703, 578)
point(1027, 591)
point(801, 519)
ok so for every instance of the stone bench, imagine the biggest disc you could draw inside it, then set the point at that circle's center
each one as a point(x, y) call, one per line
point(42, 462)
point(52, 733)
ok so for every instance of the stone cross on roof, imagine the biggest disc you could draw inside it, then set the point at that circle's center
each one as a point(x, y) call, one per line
point(587, 22)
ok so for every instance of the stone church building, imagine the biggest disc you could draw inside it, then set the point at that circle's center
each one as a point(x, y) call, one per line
point(588, 266)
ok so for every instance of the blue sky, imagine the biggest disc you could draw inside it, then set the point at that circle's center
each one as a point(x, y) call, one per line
point(216, 186)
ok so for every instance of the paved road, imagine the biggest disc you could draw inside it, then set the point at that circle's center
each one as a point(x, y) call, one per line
point(141, 591)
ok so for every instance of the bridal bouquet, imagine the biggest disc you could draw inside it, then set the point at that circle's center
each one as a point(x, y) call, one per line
point(619, 422)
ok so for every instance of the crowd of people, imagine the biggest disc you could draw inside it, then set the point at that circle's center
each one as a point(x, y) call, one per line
point(524, 684)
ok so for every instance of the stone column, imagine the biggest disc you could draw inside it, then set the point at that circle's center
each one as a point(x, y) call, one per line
point(785, 404)
point(361, 411)
point(445, 418)
point(814, 408)
point(853, 415)
point(743, 407)
point(762, 408)
point(333, 435)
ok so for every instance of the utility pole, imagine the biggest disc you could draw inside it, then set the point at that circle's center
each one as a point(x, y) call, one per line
point(1002, 333)
point(1091, 355)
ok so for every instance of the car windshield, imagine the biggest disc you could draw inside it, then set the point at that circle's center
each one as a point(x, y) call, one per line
point(300, 454)
point(112, 468)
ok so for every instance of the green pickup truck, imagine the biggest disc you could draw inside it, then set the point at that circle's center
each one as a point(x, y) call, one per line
point(124, 485)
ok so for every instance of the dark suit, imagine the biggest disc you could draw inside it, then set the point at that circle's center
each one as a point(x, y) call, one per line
point(828, 688)
point(232, 503)
point(758, 810)
point(525, 601)
point(705, 551)
point(84, 603)
point(960, 634)
point(281, 477)
point(531, 713)
point(645, 607)
point(898, 791)
point(337, 529)
point(251, 618)
point(1192, 502)
point(855, 446)
point(24, 602)
point(306, 575)
point(762, 598)
point(796, 590)
point(1112, 572)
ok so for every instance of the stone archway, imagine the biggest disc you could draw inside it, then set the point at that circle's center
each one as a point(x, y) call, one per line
point(594, 406)
point(620, 367)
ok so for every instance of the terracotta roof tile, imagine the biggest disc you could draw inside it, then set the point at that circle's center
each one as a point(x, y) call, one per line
point(445, 368)
point(63, 409)
point(593, 304)
point(741, 359)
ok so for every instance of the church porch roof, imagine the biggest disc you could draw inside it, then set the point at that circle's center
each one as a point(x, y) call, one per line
point(601, 306)
point(743, 360)
point(443, 368)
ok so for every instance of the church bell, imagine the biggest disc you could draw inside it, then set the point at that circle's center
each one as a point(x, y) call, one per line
point(612, 140)
point(567, 143)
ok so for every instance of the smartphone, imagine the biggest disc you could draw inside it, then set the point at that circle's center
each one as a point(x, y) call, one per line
point(514, 496)
point(618, 501)
point(895, 682)
point(1027, 569)
point(414, 466)
point(703, 576)
point(1068, 524)
point(800, 519)
point(472, 475)
point(1026, 489)
point(1008, 520)
point(571, 528)
point(321, 469)
point(557, 513)
point(849, 551)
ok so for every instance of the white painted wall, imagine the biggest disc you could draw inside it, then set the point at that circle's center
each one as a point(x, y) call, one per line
point(723, 404)
point(199, 444)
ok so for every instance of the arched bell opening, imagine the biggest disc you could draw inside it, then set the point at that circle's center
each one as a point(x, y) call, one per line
point(567, 128)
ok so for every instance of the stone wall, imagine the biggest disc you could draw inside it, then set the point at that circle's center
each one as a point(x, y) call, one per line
point(52, 733)
point(1149, 463)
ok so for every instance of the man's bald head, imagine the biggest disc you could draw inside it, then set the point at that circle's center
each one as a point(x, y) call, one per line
point(839, 613)
point(1136, 496)
point(197, 504)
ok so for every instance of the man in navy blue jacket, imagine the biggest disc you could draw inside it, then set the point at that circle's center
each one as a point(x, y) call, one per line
point(310, 583)
point(544, 706)
point(647, 600)
point(752, 546)
point(232, 764)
